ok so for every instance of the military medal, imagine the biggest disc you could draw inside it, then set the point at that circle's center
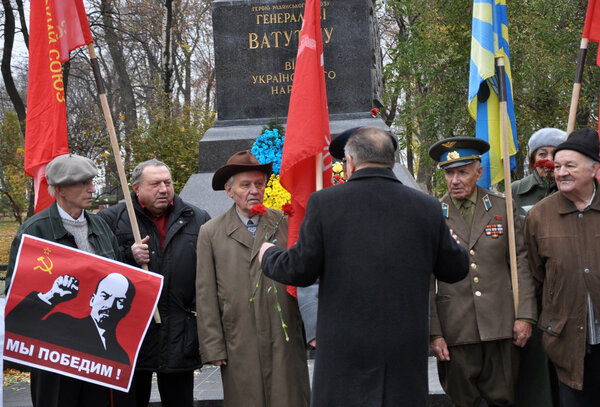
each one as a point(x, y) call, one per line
point(494, 230)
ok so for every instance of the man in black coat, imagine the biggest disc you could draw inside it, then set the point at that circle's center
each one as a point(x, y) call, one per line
point(170, 230)
point(374, 244)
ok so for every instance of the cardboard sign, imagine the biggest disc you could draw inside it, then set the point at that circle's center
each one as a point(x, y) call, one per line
point(78, 314)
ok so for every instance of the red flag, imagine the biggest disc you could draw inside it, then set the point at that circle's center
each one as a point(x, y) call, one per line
point(56, 27)
point(591, 27)
point(74, 29)
point(307, 130)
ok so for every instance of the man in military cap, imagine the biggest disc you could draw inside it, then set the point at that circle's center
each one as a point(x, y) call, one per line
point(474, 329)
point(70, 179)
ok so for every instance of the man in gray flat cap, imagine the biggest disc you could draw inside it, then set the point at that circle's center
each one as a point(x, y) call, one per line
point(66, 222)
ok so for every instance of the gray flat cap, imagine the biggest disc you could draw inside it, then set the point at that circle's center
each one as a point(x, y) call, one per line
point(68, 169)
point(547, 136)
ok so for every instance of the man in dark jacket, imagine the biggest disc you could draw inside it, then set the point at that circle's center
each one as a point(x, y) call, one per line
point(170, 229)
point(67, 222)
point(374, 255)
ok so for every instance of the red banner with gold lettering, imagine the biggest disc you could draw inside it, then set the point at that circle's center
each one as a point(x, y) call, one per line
point(55, 27)
point(78, 314)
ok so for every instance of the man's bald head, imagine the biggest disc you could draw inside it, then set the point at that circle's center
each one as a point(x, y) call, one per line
point(371, 146)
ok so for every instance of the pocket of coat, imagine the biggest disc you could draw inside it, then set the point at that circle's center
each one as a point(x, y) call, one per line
point(551, 326)
point(190, 336)
point(442, 298)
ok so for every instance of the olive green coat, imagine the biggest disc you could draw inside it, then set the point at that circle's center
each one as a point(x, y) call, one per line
point(263, 370)
point(528, 191)
point(480, 307)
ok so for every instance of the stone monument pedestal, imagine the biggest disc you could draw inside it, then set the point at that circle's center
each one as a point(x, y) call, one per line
point(255, 43)
point(221, 142)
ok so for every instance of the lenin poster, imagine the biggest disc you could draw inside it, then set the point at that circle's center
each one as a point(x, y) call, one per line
point(78, 314)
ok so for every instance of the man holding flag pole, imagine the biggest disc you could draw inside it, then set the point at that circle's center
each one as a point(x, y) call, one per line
point(489, 329)
point(46, 127)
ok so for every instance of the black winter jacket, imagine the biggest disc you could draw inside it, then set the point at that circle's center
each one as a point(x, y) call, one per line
point(171, 346)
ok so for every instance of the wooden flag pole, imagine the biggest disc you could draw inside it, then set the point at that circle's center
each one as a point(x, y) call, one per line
point(319, 172)
point(510, 221)
point(577, 85)
point(117, 153)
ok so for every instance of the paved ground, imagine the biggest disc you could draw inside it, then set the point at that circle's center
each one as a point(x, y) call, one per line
point(208, 390)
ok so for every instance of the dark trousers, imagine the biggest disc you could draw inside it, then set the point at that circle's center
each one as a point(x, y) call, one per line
point(54, 390)
point(485, 370)
point(176, 390)
point(535, 386)
point(589, 396)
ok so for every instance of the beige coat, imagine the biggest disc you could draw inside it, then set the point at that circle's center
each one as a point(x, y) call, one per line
point(263, 370)
point(480, 307)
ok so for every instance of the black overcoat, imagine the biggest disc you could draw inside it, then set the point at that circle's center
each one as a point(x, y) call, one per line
point(374, 244)
point(172, 345)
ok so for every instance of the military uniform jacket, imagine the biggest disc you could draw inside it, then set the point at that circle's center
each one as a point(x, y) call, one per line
point(480, 307)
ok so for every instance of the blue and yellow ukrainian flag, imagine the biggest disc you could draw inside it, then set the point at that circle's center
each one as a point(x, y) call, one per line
point(490, 40)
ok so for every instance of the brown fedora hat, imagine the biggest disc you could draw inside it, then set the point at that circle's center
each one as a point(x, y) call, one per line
point(239, 162)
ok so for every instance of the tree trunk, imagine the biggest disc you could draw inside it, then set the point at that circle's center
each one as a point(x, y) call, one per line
point(167, 53)
point(14, 206)
point(210, 82)
point(11, 89)
point(23, 22)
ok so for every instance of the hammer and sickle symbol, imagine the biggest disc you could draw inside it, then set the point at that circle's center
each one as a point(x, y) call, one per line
point(47, 268)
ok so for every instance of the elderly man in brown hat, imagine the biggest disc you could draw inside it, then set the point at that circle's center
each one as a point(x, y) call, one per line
point(70, 179)
point(562, 233)
point(260, 366)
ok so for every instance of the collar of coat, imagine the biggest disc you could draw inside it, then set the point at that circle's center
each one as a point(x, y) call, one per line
point(235, 229)
point(482, 199)
point(528, 183)
point(566, 206)
point(484, 215)
point(58, 230)
point(178, 208)
point(368, 172)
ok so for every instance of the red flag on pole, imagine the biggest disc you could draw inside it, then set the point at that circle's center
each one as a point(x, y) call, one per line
point(307, 131)
point(56, 28)
point(591, 27)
